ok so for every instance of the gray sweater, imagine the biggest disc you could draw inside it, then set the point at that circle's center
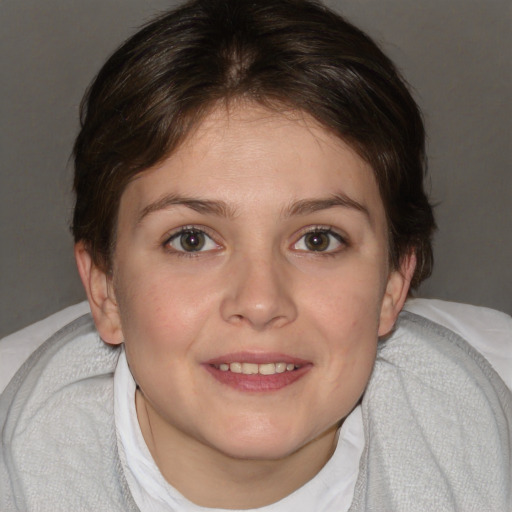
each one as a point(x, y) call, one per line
point(437, 422)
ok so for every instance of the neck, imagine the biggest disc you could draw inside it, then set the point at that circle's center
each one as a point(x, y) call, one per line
point(202, 474)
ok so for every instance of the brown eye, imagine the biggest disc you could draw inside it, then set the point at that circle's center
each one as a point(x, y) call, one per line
point(317, 241)
point(191, 240)
point(320, 240)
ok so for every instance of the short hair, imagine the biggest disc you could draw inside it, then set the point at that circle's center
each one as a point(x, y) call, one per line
point(293, 54)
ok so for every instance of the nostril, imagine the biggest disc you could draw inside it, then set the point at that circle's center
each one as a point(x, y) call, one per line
point(259, 300)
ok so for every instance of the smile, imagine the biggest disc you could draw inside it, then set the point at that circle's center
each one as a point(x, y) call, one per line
point(257, 369)
point(257, 372)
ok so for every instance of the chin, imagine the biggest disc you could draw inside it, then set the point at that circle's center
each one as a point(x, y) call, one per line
point(259, 450)
point(259, 442)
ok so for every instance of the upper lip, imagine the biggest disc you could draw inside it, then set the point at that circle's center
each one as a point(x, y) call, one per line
point(257, 358)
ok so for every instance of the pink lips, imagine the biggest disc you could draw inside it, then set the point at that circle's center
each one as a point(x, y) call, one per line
point(257, 382)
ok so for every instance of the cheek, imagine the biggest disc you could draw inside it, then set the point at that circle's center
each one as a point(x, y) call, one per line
point(352, 341)
point(348, 321)
point(157, 307)
point(160, 322)
point(348, 302)
point(351, 357)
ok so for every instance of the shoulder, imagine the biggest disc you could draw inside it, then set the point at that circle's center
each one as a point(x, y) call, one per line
point(57, 423)
point(431, 362)
point(487, 330)
point(63, 369)
point(73, 354)
point(437, 421)
point(18, 346)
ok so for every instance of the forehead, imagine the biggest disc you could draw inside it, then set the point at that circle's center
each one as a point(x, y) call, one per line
point(247, 155)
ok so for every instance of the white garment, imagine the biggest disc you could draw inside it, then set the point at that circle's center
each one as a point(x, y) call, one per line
point(58, 428)
point(489, 331)
point(17, 347)
point(333, 487)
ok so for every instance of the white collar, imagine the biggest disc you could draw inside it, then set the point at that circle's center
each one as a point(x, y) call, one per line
point(331, 489)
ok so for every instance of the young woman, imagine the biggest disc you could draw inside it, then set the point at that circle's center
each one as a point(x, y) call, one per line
point(249, 218)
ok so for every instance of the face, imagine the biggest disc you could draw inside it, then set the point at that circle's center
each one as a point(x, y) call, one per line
point(251, 282)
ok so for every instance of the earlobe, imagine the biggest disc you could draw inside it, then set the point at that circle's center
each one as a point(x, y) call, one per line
point(101, 297)
point(397, 289)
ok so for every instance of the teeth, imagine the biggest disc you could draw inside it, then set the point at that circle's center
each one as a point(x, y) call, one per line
point(254, 369)
point(280, 367)
point(267, 369)
point(249, 368)
point(236, 367)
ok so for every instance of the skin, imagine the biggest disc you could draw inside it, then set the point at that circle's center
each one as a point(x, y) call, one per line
point(265, 179)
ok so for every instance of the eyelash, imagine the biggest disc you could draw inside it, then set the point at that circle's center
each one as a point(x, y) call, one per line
point(323, 230)
point(202, 230)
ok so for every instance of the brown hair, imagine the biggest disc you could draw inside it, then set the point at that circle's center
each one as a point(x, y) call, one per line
point(294, 53)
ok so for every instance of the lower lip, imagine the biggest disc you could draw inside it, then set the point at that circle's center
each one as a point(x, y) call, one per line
point(257, 383)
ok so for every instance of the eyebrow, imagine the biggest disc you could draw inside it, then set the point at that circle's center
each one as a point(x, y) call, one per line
point(307, 206)
point(206, 206)
point(223, 209)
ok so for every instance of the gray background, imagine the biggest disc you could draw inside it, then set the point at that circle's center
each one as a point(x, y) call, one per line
point(457, 54)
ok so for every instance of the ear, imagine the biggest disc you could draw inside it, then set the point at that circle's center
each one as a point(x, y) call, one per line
point(397, 289)
point(100, 293)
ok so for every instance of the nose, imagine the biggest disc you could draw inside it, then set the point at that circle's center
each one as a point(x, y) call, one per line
point(259, 294)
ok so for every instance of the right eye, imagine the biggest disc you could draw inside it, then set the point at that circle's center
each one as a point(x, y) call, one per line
point(190, 240)
point(320, 240)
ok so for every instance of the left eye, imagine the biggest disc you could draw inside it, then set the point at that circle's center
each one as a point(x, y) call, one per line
point(191, 240)
point(322, 240)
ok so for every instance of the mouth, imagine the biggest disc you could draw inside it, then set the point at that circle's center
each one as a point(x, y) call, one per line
point(257, 369)
point(257, 373)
